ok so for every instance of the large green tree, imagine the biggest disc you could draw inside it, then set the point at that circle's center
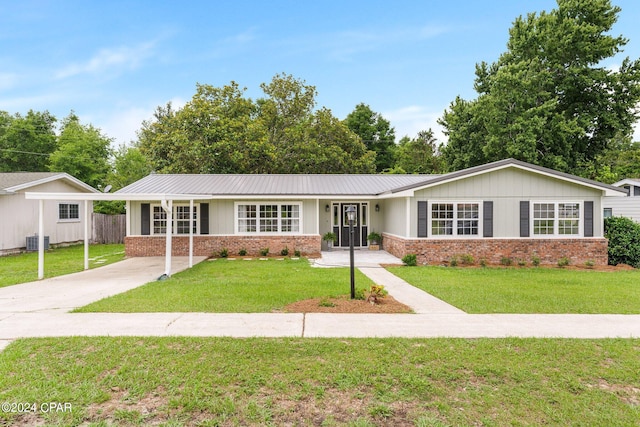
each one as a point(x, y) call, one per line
point(548, 99)
point(419, 155)
point(83, 151)
point(376, 133)
point(26, 141)
point(222, 131)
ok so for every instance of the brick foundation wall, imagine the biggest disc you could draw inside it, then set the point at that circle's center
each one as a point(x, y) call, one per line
point(139, 246)
point(439, 251)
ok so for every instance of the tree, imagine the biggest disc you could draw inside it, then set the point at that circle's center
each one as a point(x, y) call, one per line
point(548, 100)
point(129, 165)
point(82, 152)
point(419, 155)
point(26, 142)
point(376, 133)
point(221, 131)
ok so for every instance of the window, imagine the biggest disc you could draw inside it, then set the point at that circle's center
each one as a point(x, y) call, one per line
point(268, 218)
point(181, 219)
point(608, 213)
point(455, 219)
point(68, 211)
point(556, 219)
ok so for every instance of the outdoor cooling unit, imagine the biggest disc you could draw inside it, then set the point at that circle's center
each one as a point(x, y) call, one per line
point(32, 243)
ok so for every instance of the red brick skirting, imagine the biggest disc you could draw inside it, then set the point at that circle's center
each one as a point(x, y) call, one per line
point(439, 251)
point(139, 246)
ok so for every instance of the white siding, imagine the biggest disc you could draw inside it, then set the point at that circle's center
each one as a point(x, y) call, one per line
point(624, 206)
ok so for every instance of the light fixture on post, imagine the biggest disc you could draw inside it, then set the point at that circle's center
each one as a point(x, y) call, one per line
point(351, 216)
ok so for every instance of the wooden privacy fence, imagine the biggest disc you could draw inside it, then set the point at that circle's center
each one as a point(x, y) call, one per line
point(108, 228)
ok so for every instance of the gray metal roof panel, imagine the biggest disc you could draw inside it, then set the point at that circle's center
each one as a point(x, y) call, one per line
point(276, 184)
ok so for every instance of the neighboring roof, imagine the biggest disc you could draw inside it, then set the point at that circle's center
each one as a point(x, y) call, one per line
point(330, 184)
point(276, 185)
point(627, 181)
point(10, 182)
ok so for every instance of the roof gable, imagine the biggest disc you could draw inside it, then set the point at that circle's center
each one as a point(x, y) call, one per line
point(11, 182)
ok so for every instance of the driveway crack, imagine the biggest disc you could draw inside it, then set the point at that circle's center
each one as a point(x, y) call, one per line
point(173, 321)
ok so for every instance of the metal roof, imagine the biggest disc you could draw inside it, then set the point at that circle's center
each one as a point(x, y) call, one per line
point(276, 184)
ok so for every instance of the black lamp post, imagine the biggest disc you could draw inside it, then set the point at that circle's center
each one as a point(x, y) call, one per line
point(351, 216)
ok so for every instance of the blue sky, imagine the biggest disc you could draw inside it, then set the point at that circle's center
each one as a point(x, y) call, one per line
point(114, 62)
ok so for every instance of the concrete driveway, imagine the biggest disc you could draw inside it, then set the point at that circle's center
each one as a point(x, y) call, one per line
point(64, 293)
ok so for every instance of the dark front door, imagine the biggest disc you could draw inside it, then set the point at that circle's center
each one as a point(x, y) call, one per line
point(344, 225)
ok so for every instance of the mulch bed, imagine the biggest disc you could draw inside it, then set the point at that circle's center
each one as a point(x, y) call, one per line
point(344, 304)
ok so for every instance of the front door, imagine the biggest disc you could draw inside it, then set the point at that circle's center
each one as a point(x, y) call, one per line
point(341, 223)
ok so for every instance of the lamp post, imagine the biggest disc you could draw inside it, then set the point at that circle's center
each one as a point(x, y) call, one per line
point(351, 216)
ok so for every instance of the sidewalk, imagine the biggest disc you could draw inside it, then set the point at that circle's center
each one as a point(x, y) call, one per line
point(40, 310)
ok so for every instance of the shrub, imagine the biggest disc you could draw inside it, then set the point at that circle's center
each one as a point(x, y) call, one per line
point(285, 251)
point(371, 295)
point(224, 253)
point(467, 259)
point(264, 251)
point(522, 262)
point(505, 260)
point(483, 262)
point(296, 253)
point(453, 262)
point(242, 252)
point(535, 261)
point(410, 260)
point(563, 262)
point(589, 263)
point(624, 241)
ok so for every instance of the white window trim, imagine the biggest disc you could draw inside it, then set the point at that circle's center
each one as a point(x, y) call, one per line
point(174, 227)
point(556, 219)
point(69, 219)
point(455, 219)
point(279, 218)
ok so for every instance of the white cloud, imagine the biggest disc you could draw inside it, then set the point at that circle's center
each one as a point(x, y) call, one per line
point(105, 60)
point(410, 120)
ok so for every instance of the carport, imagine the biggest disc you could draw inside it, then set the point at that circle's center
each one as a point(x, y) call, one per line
point(165, 200)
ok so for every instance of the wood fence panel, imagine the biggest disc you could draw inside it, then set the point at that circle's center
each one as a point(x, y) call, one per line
point(109, 228)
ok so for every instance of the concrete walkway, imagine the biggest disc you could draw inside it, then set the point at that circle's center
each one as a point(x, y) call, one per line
point(40, 309)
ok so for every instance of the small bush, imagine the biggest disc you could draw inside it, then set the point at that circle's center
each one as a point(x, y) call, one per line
point(589, 263)
point(264, 251)
point(224, 253)
point(467, 259)
point(505, 260)
point(563, 262)
point(326, 303)
point(285, 251)
point(535, 261)
point(410, 260)
point(483, 262)
point(375, 293)
point(453, 262)
point(522, 262)
point(242, 252)
point(296, 253)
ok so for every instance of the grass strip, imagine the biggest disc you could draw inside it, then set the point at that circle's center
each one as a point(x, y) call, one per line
point(354, 382)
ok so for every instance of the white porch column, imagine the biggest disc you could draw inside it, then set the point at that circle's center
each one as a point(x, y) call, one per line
point(87, 221)
point(408, 218)
point(41, 239)
point(191, 223)
point(168, 208)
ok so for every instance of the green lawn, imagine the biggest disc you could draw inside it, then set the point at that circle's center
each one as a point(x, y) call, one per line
point(529, 290)
point(227, 286)
point(23, 268)
point(348, 382)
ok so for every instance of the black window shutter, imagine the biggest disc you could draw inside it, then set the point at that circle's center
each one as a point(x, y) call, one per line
point(145, 219)
point(204, 218)
point(422, 219)
point(588, 219)
point(487, 219)
point(524, 219)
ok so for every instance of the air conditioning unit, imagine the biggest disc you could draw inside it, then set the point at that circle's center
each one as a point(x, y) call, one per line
point(32, 243)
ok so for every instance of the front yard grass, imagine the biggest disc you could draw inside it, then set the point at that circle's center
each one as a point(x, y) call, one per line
point(348, 382)
point(23, 267)
point(233, 286)
point(529, 290)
